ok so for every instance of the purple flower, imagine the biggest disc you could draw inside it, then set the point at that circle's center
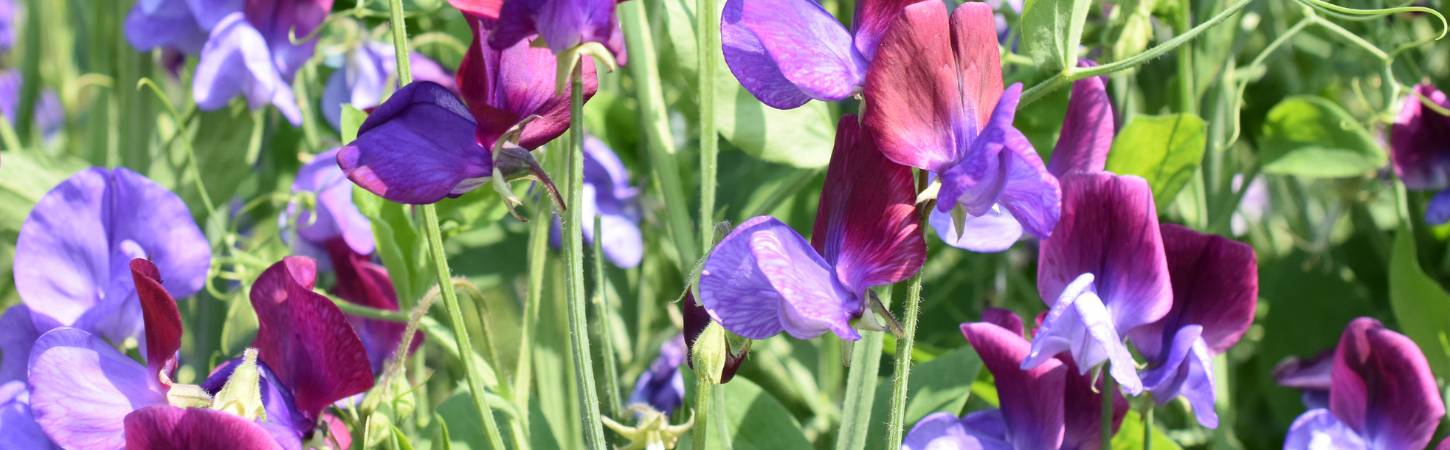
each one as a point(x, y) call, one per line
point(1215, 291)
point(361, 281)
point(1382, 395)
point(249, 52)
point(424, 144)
point(1103, 273)
point(49, 113)
point(334, 214)
point(10, 81)
point(1087, 135)
point(787, 52)
point(172, 24)
point(1313, 376)
point(934, 101)
point(608, 194)
point(562, 24)
point(1420, 148)
point(87, 395)
point(362, 79)
point(1045, 407)
point(1253, 206)
point(764, 277)
point(662, 387)
point(73, 253)
point(8, 11)
point(17, 426)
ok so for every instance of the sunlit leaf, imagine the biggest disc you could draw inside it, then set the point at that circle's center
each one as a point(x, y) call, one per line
point(1313, 137)
point(1421, 306)
point(1165, 150)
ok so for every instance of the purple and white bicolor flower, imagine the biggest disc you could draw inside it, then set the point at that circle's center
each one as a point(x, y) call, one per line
point(1103, 273)
point(249, 52)
point(765, 278)
point(1215, 291)
point(662, 387)
point(934, 101)
point(333, 214)
point(788, 52)
point(608, 194)
point(1046, 407)
point(1420, 150)
point(362, 78)
point(1087, 135)
point(1382, 396)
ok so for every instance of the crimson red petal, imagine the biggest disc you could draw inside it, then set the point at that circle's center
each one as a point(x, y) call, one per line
point(163, 321)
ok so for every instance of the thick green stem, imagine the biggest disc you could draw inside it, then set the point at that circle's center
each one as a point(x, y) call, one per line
point(1106, 432)
point(860, 388)
point(703, 393)
point(404, 71)
point(708, 25)
point(606, 335)
point(574, 256)
point(655, 118)
point(911, 307)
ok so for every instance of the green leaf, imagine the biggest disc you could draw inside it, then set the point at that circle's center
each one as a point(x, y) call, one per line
point(24, 179)
point(1130, 435)
point(942, 384)
point(754, 419)
point(457, 423)
point(1421, 306)
point(224, 140)
point(399, 243)
point(1165, 150)
point(1313, 137)
point(1051, 30)
point(352, 119)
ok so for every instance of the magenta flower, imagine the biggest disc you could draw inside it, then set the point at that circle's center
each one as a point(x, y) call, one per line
point(361, 281)
point(1313, 376)
point(1215, 291)
point(1420, 148)
point(1045, 407)
point(424, 144)
point(249, 52)
point(662, 387)
point(1103, 273)
point(934, 101)
point(787, 52)
point(1382, 395)
point(562, 24)
point(1087, 135)
point(765, 278)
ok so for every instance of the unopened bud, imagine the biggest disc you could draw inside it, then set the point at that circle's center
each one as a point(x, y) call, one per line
point(710, 353)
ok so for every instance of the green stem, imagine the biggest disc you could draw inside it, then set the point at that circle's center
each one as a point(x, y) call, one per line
point(404, 71)
point(1072, 74)
point(574, 253)
point(655, 118)
point(702, 406)
point(7, 135)
point(912, 306)
point(606, 336)
point(1187, 92)
point(860, 389)
point(1352, 38)
point(538, 254)
point(1147, 421)
point(709, 41)
point(1106, 432)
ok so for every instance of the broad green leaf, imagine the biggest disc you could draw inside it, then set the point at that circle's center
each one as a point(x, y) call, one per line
point(223, 140)
point(352, 119)
point(24, 179)
point(401, 245)
point(1165, 150)
point(460, 425)
point(1051, 30)
point(1421, 306)
point(754, 419)
point(942, 384)
point(1313, 137)
point(1130, 435)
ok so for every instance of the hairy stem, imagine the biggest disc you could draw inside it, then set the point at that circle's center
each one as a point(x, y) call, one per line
point(574, 256)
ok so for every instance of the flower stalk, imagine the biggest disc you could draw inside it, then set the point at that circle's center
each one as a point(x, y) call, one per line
point(574, 254)
point(911, 305)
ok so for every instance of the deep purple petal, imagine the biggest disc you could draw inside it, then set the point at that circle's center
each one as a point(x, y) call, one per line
point(163, 323)
point(167, 427)
point(286, 425)
point(1420, 142)
point(1187, 371)
point(914, 101)
point(18, 429)
point(944, 430)
point(504, 86)
point(1003, 318)
point(1215, 284)
point(361, 281)
point(275, 20)
point(305, 339)
point(336, 215)
point(870, 22)
point(1031, 399)
point(1109, 228)
point(418, 147)
point(1318, 429)
point(797, 39)
point(169, 24)
point(17, 336)
point(866, 223)
point(988, 233)
point(1079, 323)
point(1082, 408)
point(1383, 388)
point(82, 389)
point(662, 387)
point(236, 61)
point(561, 23)
point(1312, 374)
point(696, 319)
point(1087, 130)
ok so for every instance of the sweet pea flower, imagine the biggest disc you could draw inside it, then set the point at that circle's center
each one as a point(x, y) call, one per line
point(1103, 273)
point(424, 143)
point(1382, 395)
point(172, 24)
point(333, 215)
point(249, 52)
point(361, 281)
point(8, 11)
point(362, 79)
point(608, 194)
point(73, 253)
point(1045, 407)
point(17, 425)
point(1087, 135)
point(1215, 291)
point(48, 115)
point(1313, 376)
point(765, 278)
point(562, 24)
point(787, 52)
point(662, 387)
point(696, 319)
point(1420, 150)
point(87, 395)
point(934, 101)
